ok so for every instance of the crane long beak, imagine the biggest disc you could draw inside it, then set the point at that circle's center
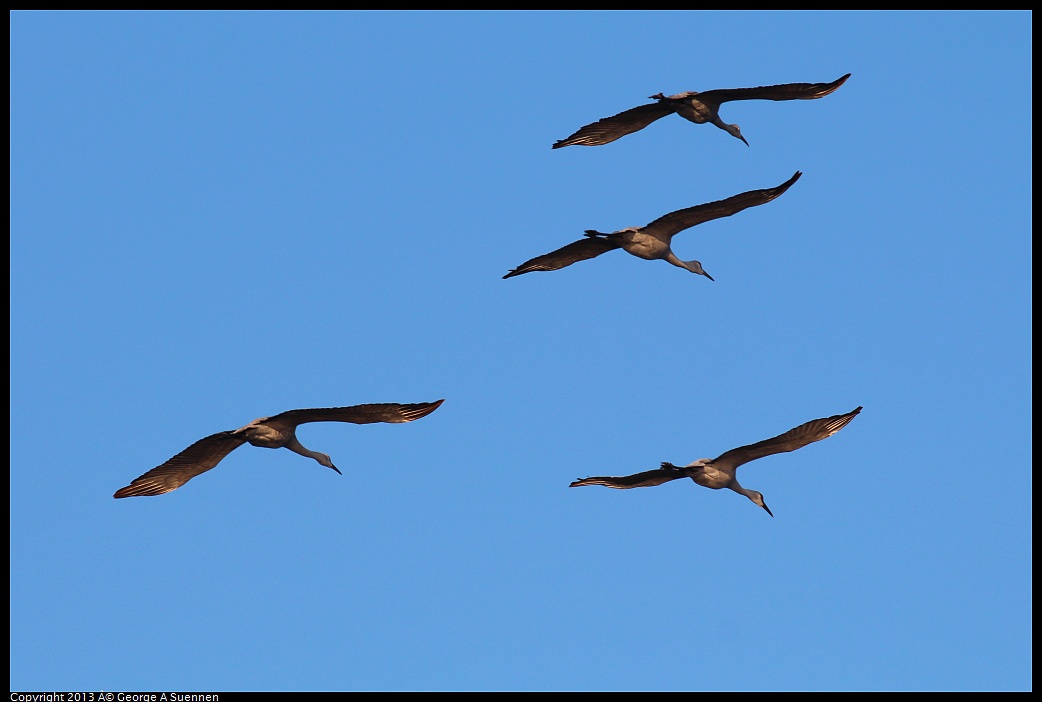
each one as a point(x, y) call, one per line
point(338, 470)
point(768, 509)
point(708, 276)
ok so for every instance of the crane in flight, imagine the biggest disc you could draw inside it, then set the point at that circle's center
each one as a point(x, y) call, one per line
point(652, 241)
point(278, 431)
point(720, 472)
point(697, 107)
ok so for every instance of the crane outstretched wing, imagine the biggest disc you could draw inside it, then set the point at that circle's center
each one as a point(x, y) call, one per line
point(194, 460)
point(611, 128)
point(798, 437)
point(581, 250)
point(392, 412)
point(784, 91)
point(648, 478)
point(667, 225)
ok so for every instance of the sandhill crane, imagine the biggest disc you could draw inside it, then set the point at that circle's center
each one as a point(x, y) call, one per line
point(694, 106)
point(652, 241)
point(278, 431)
point(717, 473)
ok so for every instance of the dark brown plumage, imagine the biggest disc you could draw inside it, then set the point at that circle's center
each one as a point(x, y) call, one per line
point(719, 472)
point(278, 431)
point(694, 106)
point(652, 241)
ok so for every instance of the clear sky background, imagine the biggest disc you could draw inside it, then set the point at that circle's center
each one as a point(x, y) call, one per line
point(221, 216)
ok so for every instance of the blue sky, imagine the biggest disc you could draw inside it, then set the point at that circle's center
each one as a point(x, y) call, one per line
point(221, 216)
